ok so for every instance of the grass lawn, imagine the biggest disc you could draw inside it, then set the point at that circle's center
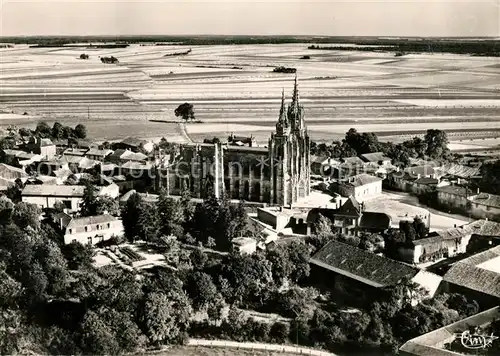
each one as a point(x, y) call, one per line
point(215, 351)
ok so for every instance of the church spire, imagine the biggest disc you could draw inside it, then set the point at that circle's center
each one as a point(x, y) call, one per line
point(295, 99)
point(282, 110)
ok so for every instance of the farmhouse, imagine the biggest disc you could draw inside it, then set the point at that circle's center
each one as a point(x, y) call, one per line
point(42, 146)
point(377, 157)
point(362, 187)
point(362, 274)
point(454, 241)
point(405, 180)
point(45, 195)
point(477, 277)
point(242, 140)
point(90, 230)
point(446, 341)
point(78, 152)
point(350, 219)
point(323, 166)
point(278, 174)
point(134, 144)
point(9, 175)
point(98, 154)
point(454, 197)
point(485, 206)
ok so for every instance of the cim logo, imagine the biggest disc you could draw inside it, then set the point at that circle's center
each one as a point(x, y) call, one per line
point(475, 341)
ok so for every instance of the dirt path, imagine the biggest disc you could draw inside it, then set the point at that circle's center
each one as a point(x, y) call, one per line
point(258, 346)
point(182, 127)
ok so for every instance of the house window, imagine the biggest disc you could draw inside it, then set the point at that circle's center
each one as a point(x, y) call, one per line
point(109, 225)
point(70, 231)
point(89, 240)
point(86, 228)
point(97, 227)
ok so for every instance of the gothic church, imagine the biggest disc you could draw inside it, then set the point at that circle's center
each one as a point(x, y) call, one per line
point(278, 174)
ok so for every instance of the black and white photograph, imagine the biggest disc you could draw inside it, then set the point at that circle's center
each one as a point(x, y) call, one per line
point(250, 177)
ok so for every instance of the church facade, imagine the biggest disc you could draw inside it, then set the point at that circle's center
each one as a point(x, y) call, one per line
point(278, 174)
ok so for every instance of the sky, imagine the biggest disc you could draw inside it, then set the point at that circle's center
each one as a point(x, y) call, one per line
point(238, 17)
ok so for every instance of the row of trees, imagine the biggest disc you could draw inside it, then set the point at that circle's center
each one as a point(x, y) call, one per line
point(434, 145)
point(214, 222)
point(42, 130)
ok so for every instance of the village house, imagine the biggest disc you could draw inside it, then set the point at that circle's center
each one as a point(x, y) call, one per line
point(363, 275)
point(248, 141)
point(404, 180)
point(425, 185)
point(244, 245)
point(323, 166)
point(362, 187)
point(350, 219)
point(458, 174)
point(75, 152)
point(451, 242)
point(134, 144)
point(42, 146)
point(454, 197)
point(9, 175)
point(97, 154)
point(89, 230)
point(477, 277)
point(349, 166)
point(121, 156)
point(109, 189)
point(46, 195)
point(20, 158)
point(485, 206)
point(377, 157)
point(446, 341)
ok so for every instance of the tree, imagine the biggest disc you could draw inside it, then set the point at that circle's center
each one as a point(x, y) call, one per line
point(148, 223)
point(171, 215)
point(57, 130)
point(297, 301)
point(6, 207)
point(89, 201)
point(78, 255)
point(198, 259)
point(130, 215)
point(437, 143)
point(26, 215)
point(107, 204)
point(14, 191)
point(279, 332)
point(215, 308)
point(43, 130)
point(80, 131)
point(299, 256)
point(97, 337)
point(185, 111)
point(282, 266)
point(84, 56)
point(164, 317)
point(201, 289)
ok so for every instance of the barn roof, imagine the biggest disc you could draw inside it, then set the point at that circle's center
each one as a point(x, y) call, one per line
point(479, 272)
point(361, 265)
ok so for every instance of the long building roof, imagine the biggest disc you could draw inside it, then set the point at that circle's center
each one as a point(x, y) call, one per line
point(361, 265)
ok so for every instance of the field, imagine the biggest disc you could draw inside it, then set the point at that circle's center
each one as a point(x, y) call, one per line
point(233, 89)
